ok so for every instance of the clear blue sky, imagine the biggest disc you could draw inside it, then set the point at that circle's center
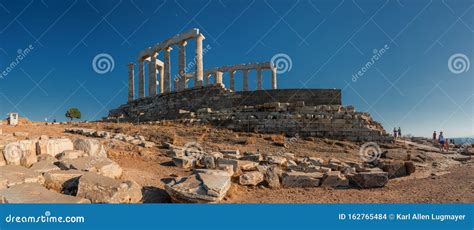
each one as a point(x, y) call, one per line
point(410, 85)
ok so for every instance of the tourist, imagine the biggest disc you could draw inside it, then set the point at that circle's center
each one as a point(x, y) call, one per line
point(434, 135)
point(399, 132)
point(446, 144)
point(395, 132)
point(441, 141)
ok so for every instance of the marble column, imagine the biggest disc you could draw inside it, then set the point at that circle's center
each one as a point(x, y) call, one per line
point(141, 79)
point(274, 78)
point(232, 80)
point(131, 83)
point(199, 65)
point(167, 71)
point(152, 76)
point(259, 79)
point(182, 66)
point(162, 79)
point(218, 77)
point(246, 79)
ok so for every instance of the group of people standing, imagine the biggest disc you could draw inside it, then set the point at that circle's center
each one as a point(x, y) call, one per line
point(397, 133)
point(443, 142)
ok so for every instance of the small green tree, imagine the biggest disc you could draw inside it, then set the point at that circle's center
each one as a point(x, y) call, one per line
point(73, 113)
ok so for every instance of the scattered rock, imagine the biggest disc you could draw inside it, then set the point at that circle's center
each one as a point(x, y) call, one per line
point(44, 166)
point(251, 178)
point(185, 162)
point(334, 179)
point(272, 178)
point(35, 193)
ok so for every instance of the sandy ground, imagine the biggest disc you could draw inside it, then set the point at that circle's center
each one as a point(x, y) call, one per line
point(438, 179)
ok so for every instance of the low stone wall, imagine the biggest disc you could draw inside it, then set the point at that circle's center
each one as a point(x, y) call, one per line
point(306, 112)
point(216, 97)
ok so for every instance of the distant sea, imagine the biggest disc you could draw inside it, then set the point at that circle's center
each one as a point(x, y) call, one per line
point(463, 140)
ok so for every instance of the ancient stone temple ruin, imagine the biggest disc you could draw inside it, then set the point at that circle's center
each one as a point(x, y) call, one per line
point(306, 112)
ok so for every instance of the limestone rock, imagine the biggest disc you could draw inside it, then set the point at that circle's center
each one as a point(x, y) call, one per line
point(101, 189)
point(394, 169)
point(272, 177)
point(185, 162)
point(13, 175)
point(278, 160)
point(301, 179)
point(53, 146)
point(251, 178)
point(35, 193)
point(102, 166)
point(410, 167)
point(91, 147)
point(369, 179)
point(248, 156)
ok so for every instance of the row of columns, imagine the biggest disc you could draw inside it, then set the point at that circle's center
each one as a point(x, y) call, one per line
point(245, 73)
point(154, 65)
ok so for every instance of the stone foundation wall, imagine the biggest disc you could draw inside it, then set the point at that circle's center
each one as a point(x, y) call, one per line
point(306, 112)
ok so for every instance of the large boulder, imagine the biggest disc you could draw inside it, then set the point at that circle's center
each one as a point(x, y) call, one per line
point(100, 165)
point(53, 147)
point(204, 186)
point(334, 179)
point(91, 147)
point(374, 179)
point(64, 181)
point(101, 189)
point(301, 179)
point(394, 169)
point(20, 152)
point(35, 193)
point(272, 176)
point(11, 175)
point(251, 178)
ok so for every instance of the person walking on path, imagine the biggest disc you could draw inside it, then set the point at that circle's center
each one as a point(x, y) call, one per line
point(441, 141)
point(399, 132)
point(395, 132)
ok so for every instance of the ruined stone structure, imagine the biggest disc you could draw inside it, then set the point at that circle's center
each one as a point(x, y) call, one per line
point(306, 112)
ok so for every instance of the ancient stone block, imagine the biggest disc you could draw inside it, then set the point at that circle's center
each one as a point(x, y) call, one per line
point(53, 146)
point(100, 165)
point(101, 189)
point(301, 179)
point(91, 147)
point(44, 166)
point(185, 162)
point(64, 181)
point(70, 154)
point(369, 179)
point(20, 152)
point(272, 178)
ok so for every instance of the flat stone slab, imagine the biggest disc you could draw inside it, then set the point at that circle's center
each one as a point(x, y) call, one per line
point(44, 166)
point(101, 189)
point(35, 193)
point(91, 147)
point(301, 179)
point(101, 165)
point(251, 178)
point(205, 186)
point(11, 175)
